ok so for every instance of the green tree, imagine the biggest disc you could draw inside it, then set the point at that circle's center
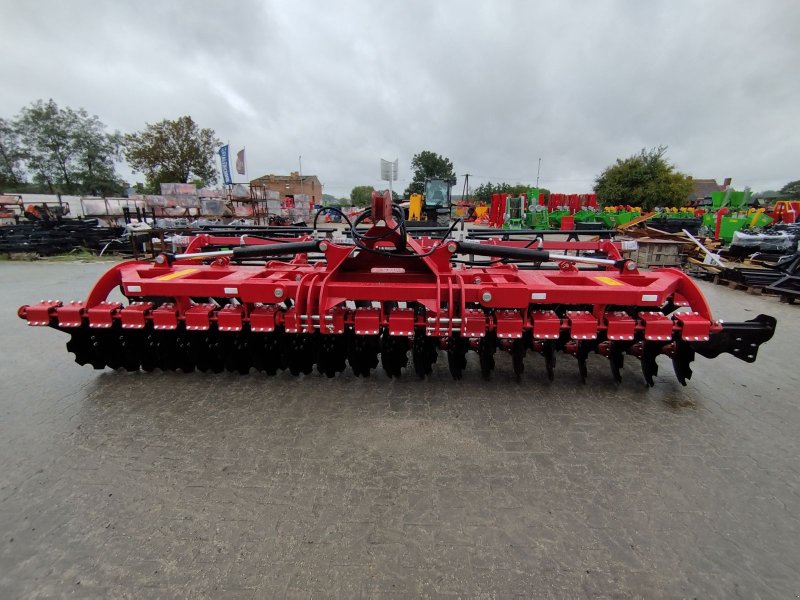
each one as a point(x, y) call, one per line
point(173, 152)
point(97, 153)
point(68, 150)
point(791, 190)
point(645, 179)
point(361, 195)
point(428, 164)
point(11, 155)
point(484, 192)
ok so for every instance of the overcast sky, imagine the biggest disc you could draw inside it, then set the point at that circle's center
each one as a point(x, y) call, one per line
point(493, 85)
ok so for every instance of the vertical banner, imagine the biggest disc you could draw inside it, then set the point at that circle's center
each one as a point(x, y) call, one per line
point(240, 163)
point(226, 167)
point(389, 170)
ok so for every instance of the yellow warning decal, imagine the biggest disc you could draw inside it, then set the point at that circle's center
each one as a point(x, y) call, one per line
point(176, 274)
point(609, 281)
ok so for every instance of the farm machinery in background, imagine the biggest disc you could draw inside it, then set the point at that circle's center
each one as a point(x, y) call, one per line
point(536, 211)
point(384, 297)
point(431, 208)
point(726, 213)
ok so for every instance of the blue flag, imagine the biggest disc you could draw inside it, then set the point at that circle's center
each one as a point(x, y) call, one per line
point(226, 166)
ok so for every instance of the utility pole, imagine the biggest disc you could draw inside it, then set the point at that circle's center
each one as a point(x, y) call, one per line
point(539, 168)
point(300, 160)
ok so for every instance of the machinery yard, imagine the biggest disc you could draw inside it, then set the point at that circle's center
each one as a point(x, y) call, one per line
point(222, 485)
point(399, 300)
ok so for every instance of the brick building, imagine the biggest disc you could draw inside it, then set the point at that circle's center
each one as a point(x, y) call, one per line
point(289, 185)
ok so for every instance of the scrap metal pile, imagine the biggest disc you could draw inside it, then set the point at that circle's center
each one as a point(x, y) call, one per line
point(385, 298)
point(46, 238)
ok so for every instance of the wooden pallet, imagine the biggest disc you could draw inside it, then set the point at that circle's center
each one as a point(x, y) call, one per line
point(788, 288)
point(636, 221)
point(756, 290)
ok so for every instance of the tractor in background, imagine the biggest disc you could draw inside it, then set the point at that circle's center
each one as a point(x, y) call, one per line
point(431, 209)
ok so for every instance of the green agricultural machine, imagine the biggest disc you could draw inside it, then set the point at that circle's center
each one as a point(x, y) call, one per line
point(730, 212)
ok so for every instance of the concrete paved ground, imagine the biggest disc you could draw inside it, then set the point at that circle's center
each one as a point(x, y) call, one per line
point(171, 485)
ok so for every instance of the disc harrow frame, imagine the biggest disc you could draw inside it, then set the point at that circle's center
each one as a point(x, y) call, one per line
point(242, 302)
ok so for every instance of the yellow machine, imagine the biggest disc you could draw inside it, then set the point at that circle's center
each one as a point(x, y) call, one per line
point(415, 207)
point(431, 208)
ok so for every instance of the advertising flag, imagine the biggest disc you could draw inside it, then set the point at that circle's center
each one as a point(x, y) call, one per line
point(226, 167)
point(240, 164)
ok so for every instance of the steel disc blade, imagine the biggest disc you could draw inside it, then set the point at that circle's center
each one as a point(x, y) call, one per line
point(179, 348)
point(517, 358)
point(394, 354)
point(486, 350)
point(423, 354)
point(681, 361)
point(265, 352)
point(457, 356)
point(649, 365)
point(300, 353)
point(80, 346)
point(549, 353)
point(111, 347)
point(582, 370)
point(616, 359)
point(130, 344)
point(331, 355)
point(362, 353)
point(208, 352)
point(236, 354)
point(149, 356)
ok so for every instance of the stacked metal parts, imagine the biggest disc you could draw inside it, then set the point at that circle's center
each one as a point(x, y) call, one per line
point(385, 298)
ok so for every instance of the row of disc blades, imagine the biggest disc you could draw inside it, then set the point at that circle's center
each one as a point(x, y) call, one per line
point(213, 351)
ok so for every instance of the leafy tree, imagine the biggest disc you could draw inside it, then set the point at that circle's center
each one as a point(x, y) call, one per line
point(484, 192)
point(645, 179)
point(173, 152)
point(428, 164)
point(361, 195)
point(97, 153)
point(791, 190)
point(68, 150)
point(11, 155)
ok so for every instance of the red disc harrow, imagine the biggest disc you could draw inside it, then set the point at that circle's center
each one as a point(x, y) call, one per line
point(383, 297)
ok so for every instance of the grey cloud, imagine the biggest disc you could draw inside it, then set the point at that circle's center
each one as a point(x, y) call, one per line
point(492, 85)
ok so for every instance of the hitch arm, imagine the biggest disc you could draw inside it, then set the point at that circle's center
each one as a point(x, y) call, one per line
point(739, 339)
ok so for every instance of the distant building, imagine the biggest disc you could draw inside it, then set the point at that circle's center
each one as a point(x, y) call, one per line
point(289, 185)
point(702, 189)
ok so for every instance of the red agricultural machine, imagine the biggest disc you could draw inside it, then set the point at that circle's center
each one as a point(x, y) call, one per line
point(236, 303)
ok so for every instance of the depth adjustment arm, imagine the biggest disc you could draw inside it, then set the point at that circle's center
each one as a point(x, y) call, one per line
point(262, 250)
point(534, 255)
